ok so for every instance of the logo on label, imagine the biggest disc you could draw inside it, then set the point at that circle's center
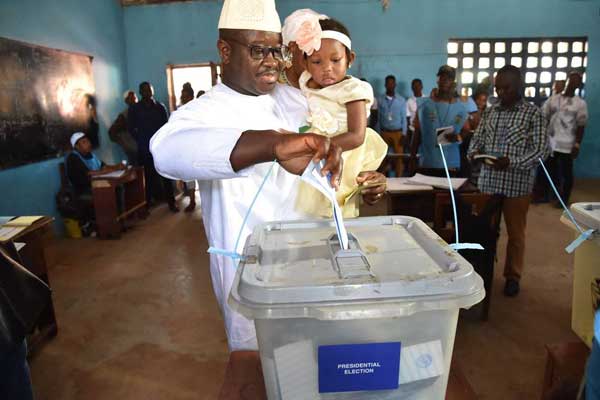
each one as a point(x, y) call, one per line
point(424, 361)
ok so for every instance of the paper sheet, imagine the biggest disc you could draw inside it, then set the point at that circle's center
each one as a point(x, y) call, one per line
point(401, 185)
point(114, 174)
point(8, 232)
point(24, 221)
point(4, 220)
point(296, 371)
point(312, 176)
point(441, 183)
point(421, 361)
point(442, 132)
point(19, 245)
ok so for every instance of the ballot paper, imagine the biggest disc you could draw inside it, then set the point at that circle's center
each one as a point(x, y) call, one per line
point(296, 373)
point(442, 132)
point(312, 176)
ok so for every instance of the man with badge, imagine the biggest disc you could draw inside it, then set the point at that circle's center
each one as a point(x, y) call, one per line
point(439, 121)
point(392, 121)
point(228, 138)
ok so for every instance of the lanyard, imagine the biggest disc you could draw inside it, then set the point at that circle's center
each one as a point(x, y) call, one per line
point(390, 103)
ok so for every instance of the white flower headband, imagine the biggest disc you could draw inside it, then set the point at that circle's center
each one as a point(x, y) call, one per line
point(302, 27)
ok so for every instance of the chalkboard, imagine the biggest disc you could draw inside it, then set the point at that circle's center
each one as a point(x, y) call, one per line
point(45, 96)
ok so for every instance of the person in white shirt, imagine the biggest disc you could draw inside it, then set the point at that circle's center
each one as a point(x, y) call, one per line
point(226, 140)
point(566, 115)
point(412, 104)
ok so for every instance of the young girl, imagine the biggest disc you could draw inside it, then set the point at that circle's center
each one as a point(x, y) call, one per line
point(339, 107)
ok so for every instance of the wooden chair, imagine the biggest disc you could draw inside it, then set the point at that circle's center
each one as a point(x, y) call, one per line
point(479, 217)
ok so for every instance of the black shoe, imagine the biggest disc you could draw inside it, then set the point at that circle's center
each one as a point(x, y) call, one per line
point(511, 288)
point(173, 208)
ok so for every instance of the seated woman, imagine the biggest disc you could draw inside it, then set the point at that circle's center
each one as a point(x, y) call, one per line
point(81, 164)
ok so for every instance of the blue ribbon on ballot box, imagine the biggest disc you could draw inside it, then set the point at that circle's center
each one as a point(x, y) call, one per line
point(457, 245)
point(583, 235)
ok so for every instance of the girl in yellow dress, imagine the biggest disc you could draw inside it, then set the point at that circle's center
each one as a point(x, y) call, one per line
point(339, 106)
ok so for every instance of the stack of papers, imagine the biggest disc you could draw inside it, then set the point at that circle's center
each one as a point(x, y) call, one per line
point(9, 232)
point(11, 226)
point(23, 221)
point(440, 183)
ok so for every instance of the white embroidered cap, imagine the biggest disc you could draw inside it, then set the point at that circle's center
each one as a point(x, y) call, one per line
point(255, 15)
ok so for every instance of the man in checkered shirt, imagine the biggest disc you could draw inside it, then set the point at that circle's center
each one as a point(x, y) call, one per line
point(514, 132)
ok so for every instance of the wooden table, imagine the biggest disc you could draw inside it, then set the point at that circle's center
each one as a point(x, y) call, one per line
point(104, 191)
point(244, 380)
point(34, 259)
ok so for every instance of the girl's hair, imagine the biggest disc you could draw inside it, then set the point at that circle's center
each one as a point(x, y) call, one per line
point(335, 25)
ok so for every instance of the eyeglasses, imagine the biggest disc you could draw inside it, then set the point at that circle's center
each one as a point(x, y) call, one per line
point(259, 52)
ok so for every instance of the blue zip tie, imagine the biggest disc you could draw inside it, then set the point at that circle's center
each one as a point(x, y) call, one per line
point(457, 245)
point(584, 235)
point(233, 254)
point(226, 253)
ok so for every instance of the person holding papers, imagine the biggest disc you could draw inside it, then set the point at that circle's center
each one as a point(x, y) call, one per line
point(228, 139)
point(439, 120)
point(513, 133)
point(80, 165)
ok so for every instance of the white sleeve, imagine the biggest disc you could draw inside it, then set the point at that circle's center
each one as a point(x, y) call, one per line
point(186, 148)
point(582, 114)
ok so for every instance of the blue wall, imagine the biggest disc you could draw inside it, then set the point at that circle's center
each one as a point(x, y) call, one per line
point(409, 40)
point(87, 26)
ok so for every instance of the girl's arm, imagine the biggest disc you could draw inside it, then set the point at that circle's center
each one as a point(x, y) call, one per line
point(357, 125)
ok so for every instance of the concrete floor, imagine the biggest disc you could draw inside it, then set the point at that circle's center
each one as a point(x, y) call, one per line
point(137, 318)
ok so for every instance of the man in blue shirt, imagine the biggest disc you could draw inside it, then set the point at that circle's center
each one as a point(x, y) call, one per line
point(144, 119)
point(392, 120)
point(442, 110)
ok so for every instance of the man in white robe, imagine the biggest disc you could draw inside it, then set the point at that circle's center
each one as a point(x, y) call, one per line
point(226, 140)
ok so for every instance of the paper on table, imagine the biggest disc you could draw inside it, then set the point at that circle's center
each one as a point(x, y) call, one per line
point(4, 220)
point(113, 174)
point(296, 372)
point(441, 183)
point(23, 221)
point(19, 245)
point(400, 185)
point(312, 176)
point(8, 232)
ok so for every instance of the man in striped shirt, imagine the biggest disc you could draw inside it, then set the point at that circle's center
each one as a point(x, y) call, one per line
point(513, 131)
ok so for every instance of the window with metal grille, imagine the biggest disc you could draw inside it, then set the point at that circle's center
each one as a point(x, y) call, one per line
point(542, 62)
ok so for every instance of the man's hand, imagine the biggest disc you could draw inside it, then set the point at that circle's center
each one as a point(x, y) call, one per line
point(501, 163)
point(294, 152)
point(372, 194)
point(575, 151)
